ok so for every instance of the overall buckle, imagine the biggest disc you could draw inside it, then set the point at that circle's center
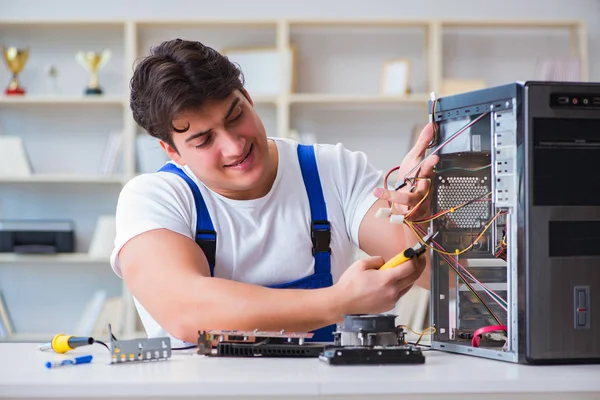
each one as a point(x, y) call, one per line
point(321, 236)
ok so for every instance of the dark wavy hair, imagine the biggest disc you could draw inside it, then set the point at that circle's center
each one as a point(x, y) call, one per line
point(177, 76)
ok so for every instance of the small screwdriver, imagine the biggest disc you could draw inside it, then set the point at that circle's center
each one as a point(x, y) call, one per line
point(400, 258)
point(412, 252)
point(62, 343)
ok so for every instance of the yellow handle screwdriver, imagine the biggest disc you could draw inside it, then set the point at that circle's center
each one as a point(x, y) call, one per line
point(62, 343)
point(412, 252)
point(398, 259)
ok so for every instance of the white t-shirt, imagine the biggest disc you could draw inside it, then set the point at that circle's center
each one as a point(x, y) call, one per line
point(265, 241)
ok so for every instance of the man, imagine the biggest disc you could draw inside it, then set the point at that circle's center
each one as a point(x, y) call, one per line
point(220, 237)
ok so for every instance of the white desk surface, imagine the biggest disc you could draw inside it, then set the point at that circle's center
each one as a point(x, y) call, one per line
point(186, 374)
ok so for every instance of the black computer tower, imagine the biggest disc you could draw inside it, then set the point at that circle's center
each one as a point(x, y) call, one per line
point(518, 188)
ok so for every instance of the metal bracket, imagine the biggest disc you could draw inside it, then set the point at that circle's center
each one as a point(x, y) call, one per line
point(138, 350)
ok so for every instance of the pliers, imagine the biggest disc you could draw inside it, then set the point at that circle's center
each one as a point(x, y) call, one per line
point(412, 252)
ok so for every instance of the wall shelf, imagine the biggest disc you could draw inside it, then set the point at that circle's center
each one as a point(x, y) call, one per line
point(457, 23)
point(64, 258)
point(264, 99)
point(64, 100)
point(41, 178)
point(357, 99)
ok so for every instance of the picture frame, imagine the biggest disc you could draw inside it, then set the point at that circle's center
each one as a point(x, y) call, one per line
point(266, 70)
point(395, 77)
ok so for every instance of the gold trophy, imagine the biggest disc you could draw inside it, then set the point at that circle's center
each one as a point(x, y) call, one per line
point(15, 60)
point(93, 62)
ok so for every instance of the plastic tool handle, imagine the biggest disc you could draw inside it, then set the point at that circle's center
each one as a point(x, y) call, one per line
point(62, 343)
point(399, 259)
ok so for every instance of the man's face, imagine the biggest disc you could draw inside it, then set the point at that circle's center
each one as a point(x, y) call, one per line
point(226, 147)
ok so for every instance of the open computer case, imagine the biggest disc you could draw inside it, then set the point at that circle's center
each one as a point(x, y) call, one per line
point(516, 201)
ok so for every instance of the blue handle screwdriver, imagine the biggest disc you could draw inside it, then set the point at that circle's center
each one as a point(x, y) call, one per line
point(71, 361)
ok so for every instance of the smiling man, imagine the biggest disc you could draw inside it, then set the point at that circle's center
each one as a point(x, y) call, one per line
point(245, 231)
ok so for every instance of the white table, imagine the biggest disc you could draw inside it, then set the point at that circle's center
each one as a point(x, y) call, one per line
point(186, 374)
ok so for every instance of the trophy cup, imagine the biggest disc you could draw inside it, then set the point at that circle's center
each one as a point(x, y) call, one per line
point(15, 60)
point(93, 62)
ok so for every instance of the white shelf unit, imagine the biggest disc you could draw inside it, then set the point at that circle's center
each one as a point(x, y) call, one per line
point(65, 100)
point(336, 98)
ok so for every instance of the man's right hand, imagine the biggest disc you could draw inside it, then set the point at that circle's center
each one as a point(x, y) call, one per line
point(364, 289)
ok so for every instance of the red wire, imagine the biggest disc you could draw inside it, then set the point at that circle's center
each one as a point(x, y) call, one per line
point(388, 175)
point(442, 145)
point(466, 271)
point(385, 185)
point(477, 334)
point(448, 259)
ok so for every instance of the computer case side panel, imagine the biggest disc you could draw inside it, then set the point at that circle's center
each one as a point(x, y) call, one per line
point(522, 237)
point(562, 231)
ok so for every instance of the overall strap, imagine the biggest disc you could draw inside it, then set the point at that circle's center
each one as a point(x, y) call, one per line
point(320, 226)
point(206, 236)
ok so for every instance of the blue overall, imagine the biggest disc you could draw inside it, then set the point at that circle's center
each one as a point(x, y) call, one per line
point(206, 236)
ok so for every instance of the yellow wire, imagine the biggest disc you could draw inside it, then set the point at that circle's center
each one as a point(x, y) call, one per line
point(456, 252)
point(435, 126)
point(423, 199)
point(429, 331)
point(410, 224)
point(450, 210)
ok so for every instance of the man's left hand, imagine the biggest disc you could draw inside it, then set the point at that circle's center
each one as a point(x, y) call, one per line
point(404, 199)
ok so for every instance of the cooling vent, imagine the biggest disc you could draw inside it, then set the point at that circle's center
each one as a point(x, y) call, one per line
point(456, 190)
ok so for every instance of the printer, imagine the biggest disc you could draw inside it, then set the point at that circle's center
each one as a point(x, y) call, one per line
point(37, 236)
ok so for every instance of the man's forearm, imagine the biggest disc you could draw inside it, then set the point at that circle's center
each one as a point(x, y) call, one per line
point(214, 303)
